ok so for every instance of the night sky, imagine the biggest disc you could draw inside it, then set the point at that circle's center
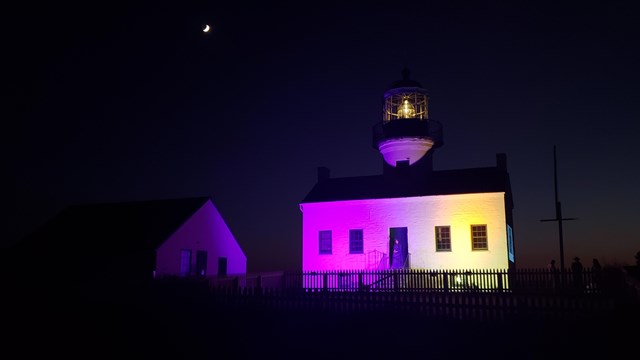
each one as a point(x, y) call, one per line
point(122, 102)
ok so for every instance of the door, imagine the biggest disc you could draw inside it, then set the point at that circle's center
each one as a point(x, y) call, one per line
point(201, 263)
point(398, 248)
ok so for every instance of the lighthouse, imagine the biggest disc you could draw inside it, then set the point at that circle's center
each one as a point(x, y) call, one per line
point(411, 216)
point(406, 136)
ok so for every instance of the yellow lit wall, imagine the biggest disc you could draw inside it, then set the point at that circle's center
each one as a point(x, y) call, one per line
point(420, 215)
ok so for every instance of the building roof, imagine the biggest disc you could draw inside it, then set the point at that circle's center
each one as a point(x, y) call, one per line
point(95, 235)
point(444, 182)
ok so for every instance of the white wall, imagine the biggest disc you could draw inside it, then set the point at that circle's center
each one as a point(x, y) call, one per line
point(420, 215)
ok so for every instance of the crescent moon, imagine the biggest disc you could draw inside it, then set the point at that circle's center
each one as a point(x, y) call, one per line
point(206, 28)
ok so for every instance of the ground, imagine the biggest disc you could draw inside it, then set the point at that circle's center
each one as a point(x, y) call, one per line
point(172, 324)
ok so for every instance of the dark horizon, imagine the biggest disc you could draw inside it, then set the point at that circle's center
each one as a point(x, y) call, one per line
point(127, 102)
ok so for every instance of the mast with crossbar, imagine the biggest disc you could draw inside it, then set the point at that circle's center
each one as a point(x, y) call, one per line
point(558, 217)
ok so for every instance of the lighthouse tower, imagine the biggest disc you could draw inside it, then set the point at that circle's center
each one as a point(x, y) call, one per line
point(406, 137)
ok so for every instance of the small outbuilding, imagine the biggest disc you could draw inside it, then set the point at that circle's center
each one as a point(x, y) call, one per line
point(135, 241)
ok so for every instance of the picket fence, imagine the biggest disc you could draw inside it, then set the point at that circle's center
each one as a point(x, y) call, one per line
point(493, 295)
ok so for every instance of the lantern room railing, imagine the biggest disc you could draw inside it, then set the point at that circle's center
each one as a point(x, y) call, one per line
point(407, 128)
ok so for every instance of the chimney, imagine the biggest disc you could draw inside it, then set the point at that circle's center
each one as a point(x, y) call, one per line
point(501, 161)
point(323, 173)
point(402, 167)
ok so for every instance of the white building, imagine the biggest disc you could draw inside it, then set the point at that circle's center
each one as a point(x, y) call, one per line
point(453, 219)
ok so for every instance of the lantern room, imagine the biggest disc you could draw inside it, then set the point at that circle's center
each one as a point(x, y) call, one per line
point(406, 103)
point(406, 134)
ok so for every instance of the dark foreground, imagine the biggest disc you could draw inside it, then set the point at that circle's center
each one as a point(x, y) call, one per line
point(174, 324)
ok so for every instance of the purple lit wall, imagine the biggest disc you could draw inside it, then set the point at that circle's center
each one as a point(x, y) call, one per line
point(420, 215)
point(204, 231)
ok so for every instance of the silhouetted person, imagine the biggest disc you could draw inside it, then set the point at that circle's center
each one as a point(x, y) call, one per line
point(596, 273)
point(576, 271)
point(553, 273)
point(396, 260)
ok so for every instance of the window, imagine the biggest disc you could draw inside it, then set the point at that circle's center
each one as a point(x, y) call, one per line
point(325, 241)
point(355, 242)
point(443, 238)
point(222, 266)
point(185, 262)
point(510, 242)
point(479, 237)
